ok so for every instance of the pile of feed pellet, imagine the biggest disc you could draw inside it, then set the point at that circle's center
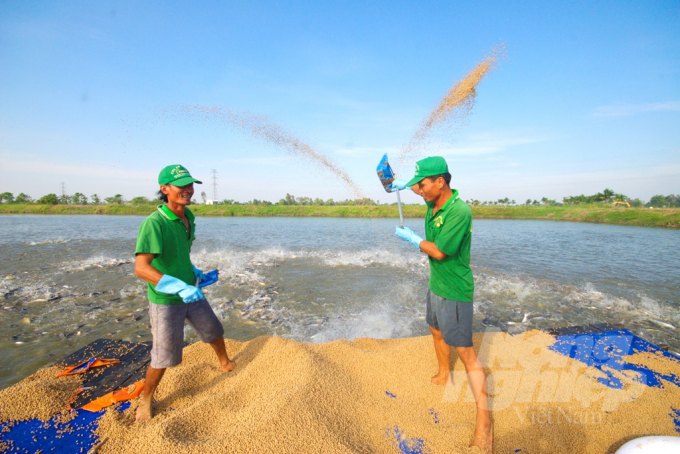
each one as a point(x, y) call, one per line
point(371, 395)
point(376, 396)
point(38, 396)
point(655, 361)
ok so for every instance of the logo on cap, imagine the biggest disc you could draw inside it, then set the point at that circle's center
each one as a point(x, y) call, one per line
point(178, 171)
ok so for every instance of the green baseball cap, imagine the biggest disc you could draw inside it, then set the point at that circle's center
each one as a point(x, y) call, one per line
point(429, 167)
point(176, 175)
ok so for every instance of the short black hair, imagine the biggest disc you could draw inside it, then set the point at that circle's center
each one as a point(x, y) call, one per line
point(161, 196)
point(446, 176)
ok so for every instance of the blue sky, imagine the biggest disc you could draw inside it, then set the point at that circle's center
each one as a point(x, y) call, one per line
point(587, 98)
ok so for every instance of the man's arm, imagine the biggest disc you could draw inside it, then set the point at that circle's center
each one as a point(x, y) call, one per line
point(144, 270)
point(432, 250)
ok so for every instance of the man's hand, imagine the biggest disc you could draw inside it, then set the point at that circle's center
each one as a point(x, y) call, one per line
point(172, 285)
point(145, 270)
point(198, 273)
point(398, 184)
point(409, 235)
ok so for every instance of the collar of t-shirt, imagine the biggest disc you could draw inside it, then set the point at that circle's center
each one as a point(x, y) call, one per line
point(167, 212)
point(451, 201)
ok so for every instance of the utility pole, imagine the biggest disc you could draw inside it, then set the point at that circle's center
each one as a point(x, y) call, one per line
point(63, 188)
point(214, 185)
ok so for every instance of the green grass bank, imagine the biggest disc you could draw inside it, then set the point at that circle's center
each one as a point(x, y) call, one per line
point(644, 217)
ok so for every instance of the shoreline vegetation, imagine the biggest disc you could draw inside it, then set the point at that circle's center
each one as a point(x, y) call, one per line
point(601, 214)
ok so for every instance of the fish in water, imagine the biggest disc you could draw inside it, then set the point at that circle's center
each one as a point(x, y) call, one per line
point(524, 320)
point(663, 324)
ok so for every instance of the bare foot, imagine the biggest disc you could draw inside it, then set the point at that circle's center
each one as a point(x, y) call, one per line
point(228, 367)
point(483, 438)
point(442, 379)
point(144, 411)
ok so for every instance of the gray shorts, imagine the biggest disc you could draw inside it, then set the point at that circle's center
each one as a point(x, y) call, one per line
point(167, 329)
point(452, 318)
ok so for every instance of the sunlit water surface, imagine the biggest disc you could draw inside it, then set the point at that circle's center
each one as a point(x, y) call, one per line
point(68, 280)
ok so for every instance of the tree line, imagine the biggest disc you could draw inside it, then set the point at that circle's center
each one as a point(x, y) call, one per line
point(605, 197)
point(81, 199)
point(292, 200)
point(65, 199)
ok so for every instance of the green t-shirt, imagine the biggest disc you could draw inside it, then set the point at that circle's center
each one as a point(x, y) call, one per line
point(450, 229)
point(165, 235)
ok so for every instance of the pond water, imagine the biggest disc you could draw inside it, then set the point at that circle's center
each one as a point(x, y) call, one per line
point(68, 280)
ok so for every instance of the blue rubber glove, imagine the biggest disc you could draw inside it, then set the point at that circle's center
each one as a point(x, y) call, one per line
point(401, 184)
point(409, 235)
point(172, 285)
point(198, 273)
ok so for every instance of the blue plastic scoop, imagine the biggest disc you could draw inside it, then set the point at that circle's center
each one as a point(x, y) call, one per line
point(386, 175)
point(210, 278)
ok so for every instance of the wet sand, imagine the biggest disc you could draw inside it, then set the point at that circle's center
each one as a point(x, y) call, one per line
point(376, 396)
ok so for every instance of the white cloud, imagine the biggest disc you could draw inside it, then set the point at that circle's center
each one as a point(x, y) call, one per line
point(108, 172)
point(640, 182)
point(276, 160)
point(634, 109)
point(487, 144)
point(366, 151)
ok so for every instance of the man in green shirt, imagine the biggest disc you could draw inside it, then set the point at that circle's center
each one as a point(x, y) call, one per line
point(448, 231)
point(162, 259)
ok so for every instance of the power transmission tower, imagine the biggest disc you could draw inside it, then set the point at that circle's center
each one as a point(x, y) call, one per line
point(214, 184)
point(63, 188)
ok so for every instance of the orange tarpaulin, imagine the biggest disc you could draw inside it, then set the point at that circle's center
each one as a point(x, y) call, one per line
point(114, 397)
point(87, 365)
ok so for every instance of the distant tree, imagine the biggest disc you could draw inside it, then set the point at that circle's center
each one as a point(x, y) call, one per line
point(204, 197)
point(6, 197)
point(535, 203)
point(366, 201)
point(528, 202)
point(49, 199)
point(290, 199)
point(23, 198)
point(141, 200)
point(65, 199)
point(657, 201)
point(673, 200)
point(608, 195)
point(118, 198)
point(79, 198)
point(95, 199)
point(578, 199)
point(636, 203)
